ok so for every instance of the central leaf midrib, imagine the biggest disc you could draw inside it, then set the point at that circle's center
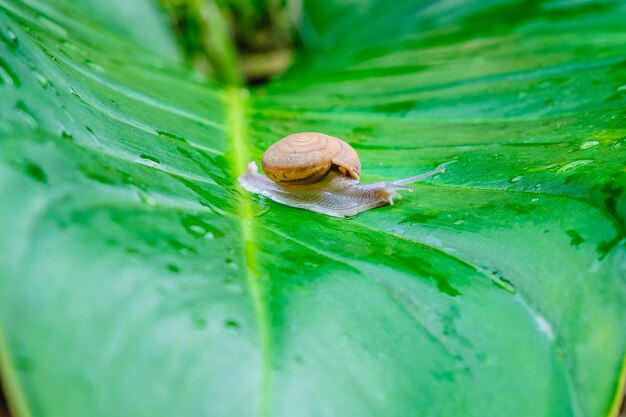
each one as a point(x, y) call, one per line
point(236, 123)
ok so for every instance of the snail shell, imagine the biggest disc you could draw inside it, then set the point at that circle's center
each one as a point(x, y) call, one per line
point(299, 173)
point(306, 158)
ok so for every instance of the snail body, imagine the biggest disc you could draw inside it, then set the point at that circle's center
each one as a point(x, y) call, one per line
point(320, 173)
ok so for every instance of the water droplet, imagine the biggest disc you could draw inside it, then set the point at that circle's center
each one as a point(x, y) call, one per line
point(171, 136)
point(197, 229)
point(232, 324)
point(420, 218)
point(26, 114)
point(502, 282)
point(148, 160)
point(181, 247)
point(573, 165)
point(71, 46)
point(43, 81)
point(621, 88)
point(575, 238)
point(35, 172)
point(516, 179)
point(66, 134)
point(534, 200)
point(147, 198)
point(7, 75)
point(92, 65)
point(74, 92)
point(459, 221)
point(10, 39)
point(544, 326)
point(589, 144)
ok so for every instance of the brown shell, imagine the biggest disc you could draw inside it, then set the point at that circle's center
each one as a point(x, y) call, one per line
point(305, 158)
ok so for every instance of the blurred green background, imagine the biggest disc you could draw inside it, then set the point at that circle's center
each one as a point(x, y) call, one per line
point(262, 35)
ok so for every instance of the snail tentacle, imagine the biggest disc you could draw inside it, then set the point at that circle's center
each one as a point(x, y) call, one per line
point(402, 183)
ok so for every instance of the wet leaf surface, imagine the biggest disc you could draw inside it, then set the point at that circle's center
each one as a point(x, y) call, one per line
point(137, 278)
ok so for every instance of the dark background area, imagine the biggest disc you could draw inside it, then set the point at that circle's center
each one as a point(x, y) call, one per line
point(4, 412)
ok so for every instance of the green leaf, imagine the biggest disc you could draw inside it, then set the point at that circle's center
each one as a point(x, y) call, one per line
point(138, 279)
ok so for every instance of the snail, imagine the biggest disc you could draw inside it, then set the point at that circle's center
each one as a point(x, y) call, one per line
point(317, 172)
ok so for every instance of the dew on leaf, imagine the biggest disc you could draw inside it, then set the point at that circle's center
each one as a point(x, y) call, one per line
point(41, 80)
point(26, 114)
point(184, 152)
point(146, 198)
point(573, 165)
point(199, 228)
point(66, 134)
point(7, 75)
point(520, 209)
point(575, 238)
point(148, 160)
point(151, 158)
point(516, 179)
point(500, 281)
point(419, 218)
point(35, 172)
point(10, 39)
point(544, 326)
point(171, 136)
point(92, 65)
point(230, 263)
point(232, 324)
point(589, 144)
point(181, 247)
point(459, 221)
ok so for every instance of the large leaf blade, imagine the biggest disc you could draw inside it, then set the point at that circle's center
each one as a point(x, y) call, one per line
point(174, 284)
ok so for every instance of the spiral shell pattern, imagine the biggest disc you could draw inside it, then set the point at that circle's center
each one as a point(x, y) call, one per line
point(305, 158)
